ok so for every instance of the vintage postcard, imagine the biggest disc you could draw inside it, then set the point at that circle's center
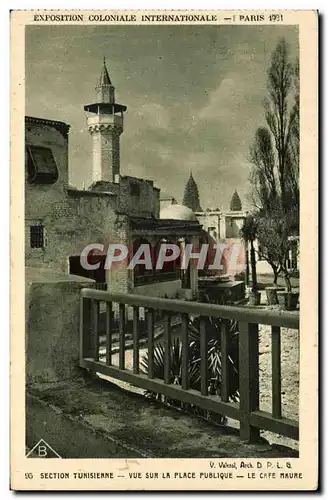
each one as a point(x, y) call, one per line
point(164, 250)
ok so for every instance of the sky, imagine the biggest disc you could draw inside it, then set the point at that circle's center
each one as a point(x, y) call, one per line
point(194, 96)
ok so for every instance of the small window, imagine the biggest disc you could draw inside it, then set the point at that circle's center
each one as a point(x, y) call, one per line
point(134, 189)
point(41, 165)
point(37, 236)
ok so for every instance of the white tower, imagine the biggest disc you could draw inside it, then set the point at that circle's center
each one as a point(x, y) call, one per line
point(105, 124)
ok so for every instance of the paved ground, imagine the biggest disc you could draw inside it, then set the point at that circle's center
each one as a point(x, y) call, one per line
point(75, 413)
point(267, 279)
point(289, 376)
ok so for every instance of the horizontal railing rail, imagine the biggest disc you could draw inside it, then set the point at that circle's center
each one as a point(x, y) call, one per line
point(247, 410)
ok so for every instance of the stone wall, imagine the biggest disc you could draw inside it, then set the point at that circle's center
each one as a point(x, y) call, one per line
point(234, 224)
point(72, 219)
point(52, 324)
point(138, 197)
point(119, 278)
point(210, 222)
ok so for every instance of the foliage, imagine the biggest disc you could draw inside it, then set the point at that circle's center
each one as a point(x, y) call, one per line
point(274, 156)
point(213, 329)
point(274, 236)
point(249, 228)
point(263, 176)
point(249, 235)
point(279, 117)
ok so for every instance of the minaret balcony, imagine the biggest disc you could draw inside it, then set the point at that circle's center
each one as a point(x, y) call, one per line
point(102, 108)
point(105, 120)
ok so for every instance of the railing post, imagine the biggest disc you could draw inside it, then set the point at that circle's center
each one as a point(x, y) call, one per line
point(203, 357)
point(95, 328)
point(135, 339)
point(122, 336)
point(167, 348)
point(86, 331)
point(248, 378)
point(109, 326)
point(185, 352)
point(225, 344)
point(150, 345)
point(276, 371)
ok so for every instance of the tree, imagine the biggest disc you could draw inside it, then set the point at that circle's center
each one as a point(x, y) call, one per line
point(263, 176)
point(269, 242)
point(275, 240)
point(280, 119)
point(274, 156)
point(249, 234)
point(293, 156)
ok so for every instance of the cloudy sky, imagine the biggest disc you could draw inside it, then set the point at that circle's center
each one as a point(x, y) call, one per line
point(194, 96)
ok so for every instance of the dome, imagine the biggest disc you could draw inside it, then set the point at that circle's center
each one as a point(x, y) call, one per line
point(177, 212)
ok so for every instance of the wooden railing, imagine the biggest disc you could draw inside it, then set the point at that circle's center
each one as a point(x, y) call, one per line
point(251, 418)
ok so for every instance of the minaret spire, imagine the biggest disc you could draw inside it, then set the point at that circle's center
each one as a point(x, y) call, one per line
point(235, 202)
point(191, 195)
point(105, 124)
point(104, 80)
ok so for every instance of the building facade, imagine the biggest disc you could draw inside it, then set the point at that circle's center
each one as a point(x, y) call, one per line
point(60, 221)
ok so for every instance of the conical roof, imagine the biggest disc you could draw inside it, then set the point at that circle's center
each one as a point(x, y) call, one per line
point(191, 195)
point(235, 203)
point(104, 76)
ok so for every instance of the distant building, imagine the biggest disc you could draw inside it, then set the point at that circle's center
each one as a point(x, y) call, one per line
point(191, 195)
point(60, 221)
point(234, 219)
point(211, 221)
point(220, 224)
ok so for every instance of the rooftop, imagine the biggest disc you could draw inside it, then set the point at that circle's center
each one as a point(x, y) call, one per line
point(165, 227)
point(62, 127)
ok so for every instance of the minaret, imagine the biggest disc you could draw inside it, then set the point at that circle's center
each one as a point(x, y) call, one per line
point(105, 124)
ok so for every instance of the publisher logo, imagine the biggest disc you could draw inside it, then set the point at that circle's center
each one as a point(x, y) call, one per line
point(42, 450)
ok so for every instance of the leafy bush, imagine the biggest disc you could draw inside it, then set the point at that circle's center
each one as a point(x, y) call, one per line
point(213, 329)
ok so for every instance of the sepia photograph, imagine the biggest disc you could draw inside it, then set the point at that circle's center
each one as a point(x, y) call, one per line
point(162, 219)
